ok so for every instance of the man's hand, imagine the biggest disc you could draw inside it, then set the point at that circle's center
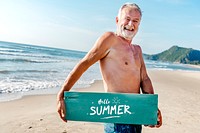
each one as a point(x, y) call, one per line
point(159, 120)
point(61, 109)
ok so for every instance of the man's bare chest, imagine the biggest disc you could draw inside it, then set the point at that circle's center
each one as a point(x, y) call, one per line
point(126, 56)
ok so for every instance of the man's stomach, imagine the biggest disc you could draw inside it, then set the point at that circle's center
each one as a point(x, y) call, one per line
point(122, 85)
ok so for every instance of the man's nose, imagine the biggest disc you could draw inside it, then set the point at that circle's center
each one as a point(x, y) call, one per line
point(130, 23)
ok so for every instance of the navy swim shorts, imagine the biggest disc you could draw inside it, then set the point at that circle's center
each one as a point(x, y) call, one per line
point(122, 128)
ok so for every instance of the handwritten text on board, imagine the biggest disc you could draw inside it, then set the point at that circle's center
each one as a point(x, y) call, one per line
point(110, 110)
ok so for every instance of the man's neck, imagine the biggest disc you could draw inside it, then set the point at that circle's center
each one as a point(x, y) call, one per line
point(124, 39)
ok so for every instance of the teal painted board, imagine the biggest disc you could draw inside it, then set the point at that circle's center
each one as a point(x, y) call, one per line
point(123, 108)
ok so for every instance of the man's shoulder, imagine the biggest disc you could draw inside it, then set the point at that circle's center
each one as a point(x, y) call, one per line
point(108, 38)
point(109, 34)
point(136, 46)
point(105, 41)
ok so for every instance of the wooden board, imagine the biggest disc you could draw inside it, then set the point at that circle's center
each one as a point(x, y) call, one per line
point(112, 107)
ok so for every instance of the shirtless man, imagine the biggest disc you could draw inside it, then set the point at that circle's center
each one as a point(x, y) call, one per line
point(122, 65)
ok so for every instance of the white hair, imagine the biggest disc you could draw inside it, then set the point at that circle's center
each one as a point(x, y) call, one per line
point(131, 5)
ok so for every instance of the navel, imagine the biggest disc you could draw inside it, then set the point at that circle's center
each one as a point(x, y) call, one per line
point(126, 63)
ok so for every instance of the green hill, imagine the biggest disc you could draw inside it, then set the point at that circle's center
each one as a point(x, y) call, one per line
point(178, 54)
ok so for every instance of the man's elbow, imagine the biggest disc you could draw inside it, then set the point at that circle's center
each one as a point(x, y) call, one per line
point(146, 86)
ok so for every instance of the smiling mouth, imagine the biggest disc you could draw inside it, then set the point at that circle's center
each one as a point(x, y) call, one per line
point(128, 28)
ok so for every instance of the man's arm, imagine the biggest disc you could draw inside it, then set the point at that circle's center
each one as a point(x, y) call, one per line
point(145, 82)
point(99, 51)
point(147, 87)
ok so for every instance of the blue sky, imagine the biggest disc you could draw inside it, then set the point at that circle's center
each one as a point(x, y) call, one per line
point(77, 24)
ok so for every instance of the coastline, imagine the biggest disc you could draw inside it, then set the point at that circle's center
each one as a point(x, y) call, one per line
point(194, 66)
point(178, 100)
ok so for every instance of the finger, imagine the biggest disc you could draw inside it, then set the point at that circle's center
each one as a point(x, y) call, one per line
point(62, 116)
point(63, 111)
point(60, 111)
point(151, 126)
point(157, 126)
point(159, 123)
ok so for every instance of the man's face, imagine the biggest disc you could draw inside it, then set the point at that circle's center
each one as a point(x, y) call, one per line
point(128, 23)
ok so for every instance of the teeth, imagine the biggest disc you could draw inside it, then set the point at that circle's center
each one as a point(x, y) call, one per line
point(128, 28)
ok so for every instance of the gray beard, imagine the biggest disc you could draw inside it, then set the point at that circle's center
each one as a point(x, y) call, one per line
point(125, 34)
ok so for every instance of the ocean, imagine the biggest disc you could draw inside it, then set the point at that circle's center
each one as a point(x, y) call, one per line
point(28, 69)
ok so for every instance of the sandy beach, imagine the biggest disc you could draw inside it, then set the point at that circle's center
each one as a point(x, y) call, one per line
point(179, 101)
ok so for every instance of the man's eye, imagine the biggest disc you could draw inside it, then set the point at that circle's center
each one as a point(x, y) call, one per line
point(135, 21)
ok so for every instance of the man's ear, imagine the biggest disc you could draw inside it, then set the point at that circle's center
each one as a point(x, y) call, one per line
point(117, 20)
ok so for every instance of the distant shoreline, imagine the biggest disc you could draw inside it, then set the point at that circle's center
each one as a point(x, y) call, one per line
point(195, 66)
